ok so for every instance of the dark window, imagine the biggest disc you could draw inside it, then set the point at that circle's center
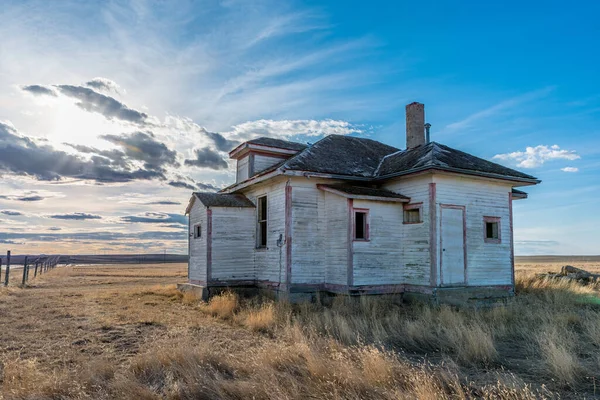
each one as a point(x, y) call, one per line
point(412, 216)
point(491, 230)
point(197, 231)
point(262, 221)
point(360, 225)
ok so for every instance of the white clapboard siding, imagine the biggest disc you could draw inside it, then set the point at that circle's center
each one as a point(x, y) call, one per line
point(243, 169)
point(379, 261)
point(415, 256)
point(335, 240)
point(233, 243)
point(262, 162)
point(487, 263)
point(308, 261)
point(197, 262)
point(269, 262)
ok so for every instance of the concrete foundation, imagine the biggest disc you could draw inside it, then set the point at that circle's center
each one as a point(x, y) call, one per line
point(456, 296)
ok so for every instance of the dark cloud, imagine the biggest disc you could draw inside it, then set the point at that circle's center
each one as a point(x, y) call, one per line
point(109, 107)
point(183, 185)
point(207, 187)
point(193, 185)
point(75, 216)
point(22, 156)
point(10, 212)
point(23, 198)
point(39, 90)
point(144, 147)
point(207, 158)
point(164, 203)
point(156, 218)
point(222, 144)
point(94, 236)
point(103, 84)
point(106, 157)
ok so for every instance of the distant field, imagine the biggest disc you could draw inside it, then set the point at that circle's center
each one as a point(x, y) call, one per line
point(124, 331)
point(554, 263)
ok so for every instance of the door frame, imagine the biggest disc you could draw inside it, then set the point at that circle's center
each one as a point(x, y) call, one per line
point(464, 218)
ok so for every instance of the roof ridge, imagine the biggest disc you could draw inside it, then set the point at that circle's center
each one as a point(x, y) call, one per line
point(301, 152)
point(383, 159)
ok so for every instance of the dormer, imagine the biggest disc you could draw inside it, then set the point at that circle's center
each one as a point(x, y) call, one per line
point(257, 155)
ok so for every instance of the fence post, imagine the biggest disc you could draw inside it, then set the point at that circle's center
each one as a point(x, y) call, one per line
point(0, 269)
point(7, 274)
point(35, 271)
point(24, 272)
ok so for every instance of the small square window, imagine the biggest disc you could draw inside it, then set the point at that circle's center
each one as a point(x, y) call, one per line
point(491, 229)
point(412, 214)
point(197, 231)
point(361, 227)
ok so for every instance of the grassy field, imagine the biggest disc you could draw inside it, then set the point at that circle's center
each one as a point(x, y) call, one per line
point(104, 332)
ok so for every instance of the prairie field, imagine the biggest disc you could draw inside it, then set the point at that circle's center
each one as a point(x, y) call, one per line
point(125, 332)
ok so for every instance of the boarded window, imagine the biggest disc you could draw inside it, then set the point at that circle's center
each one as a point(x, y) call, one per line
point(360, 225)
point(412, 216)
point(197, 231)
point(262, 222)
point(492, 229)
point(412, 213)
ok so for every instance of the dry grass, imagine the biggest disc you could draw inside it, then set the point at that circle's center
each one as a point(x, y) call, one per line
point(223, 306)
point(79, 335)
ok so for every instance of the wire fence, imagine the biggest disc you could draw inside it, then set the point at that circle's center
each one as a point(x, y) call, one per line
point(40, 264)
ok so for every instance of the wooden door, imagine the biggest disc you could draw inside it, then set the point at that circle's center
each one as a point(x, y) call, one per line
point(452, 247)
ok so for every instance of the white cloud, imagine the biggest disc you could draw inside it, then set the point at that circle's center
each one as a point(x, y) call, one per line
point(535, 156)
point(570, 169)
point(286, 128)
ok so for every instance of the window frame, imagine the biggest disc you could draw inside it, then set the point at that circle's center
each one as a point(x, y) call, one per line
point(197, 231)
point(497, 220)
point(366, 224)
point(259, 222)
point(412, 206)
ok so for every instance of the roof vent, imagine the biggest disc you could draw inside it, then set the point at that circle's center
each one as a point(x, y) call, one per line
point(427, 136)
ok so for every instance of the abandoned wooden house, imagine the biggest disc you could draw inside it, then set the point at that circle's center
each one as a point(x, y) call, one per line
point(355, 216)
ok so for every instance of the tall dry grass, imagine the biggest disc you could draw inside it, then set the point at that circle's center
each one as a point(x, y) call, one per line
point(364, 348)
point(551, 329)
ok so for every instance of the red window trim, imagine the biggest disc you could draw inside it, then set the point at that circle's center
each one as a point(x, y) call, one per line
point(367, 234)
point(413, 206)
point(487, 219)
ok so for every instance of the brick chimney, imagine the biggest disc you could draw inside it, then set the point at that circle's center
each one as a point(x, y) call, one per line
point(415, 125)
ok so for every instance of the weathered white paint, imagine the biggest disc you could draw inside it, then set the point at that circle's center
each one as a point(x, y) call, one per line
point(487, 263)
point(233, 242)
point(308, 261)
point(379, 261)
point(319, 224)
point(452, 246)
point(262, 162)
point(197, 262)
point(269, 262)
point(415, 238)
point(243, 169)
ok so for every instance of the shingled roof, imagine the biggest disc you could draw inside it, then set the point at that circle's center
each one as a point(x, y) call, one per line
point(439, 156)
point(279, 143)
point(352, 191)
point(353, 158)
point(341, 155)
point(223, 200)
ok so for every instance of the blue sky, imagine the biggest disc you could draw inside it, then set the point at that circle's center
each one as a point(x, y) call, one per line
point(83, 85)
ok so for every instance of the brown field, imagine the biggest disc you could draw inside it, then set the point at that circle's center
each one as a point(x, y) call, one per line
point(123, 331)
